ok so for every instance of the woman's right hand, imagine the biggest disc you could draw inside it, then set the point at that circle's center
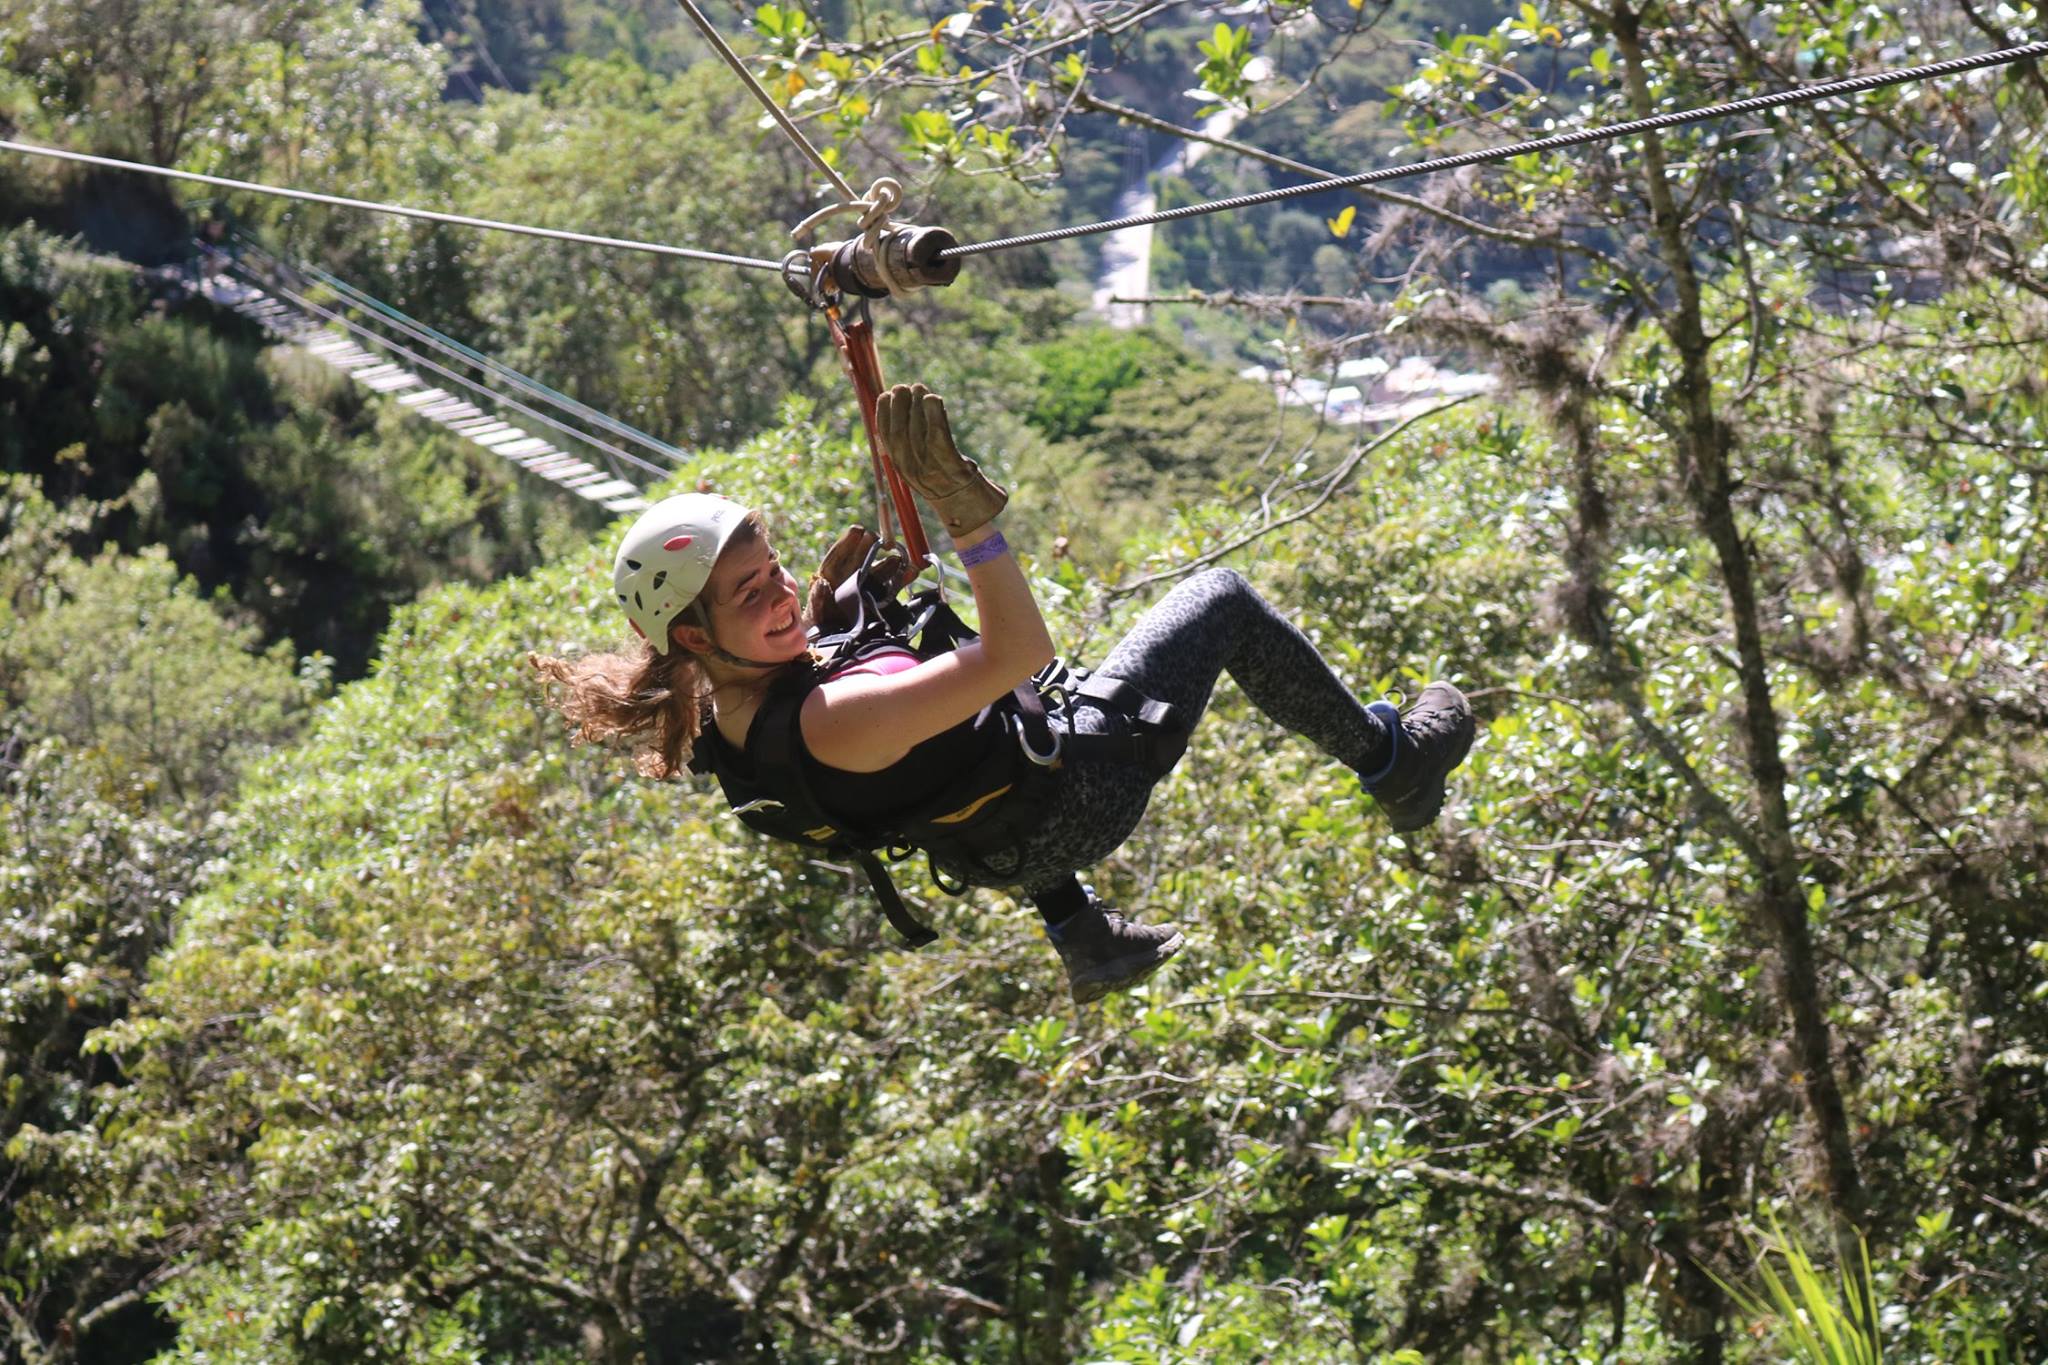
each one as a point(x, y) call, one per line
point(919, 439)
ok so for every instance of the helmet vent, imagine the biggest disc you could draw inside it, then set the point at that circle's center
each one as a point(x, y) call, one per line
point(634, 565)
point(637, 602)
point(660, 579)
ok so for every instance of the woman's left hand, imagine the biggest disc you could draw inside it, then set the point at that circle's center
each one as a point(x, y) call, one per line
point(887, 576)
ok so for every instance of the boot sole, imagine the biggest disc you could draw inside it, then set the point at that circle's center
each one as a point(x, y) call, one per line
point(1124, 972)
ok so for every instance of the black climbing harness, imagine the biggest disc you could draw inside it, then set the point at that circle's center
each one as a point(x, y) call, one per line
point(985, 807)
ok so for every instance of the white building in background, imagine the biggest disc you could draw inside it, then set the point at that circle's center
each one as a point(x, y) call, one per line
point(1370, 391)
point(1344, 403)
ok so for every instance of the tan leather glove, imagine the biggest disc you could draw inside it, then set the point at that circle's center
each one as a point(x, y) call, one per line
point(844, 558)
point(919, 439)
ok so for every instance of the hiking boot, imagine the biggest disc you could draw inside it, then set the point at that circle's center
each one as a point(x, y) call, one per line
point(1429, 741)
point(1105, 952)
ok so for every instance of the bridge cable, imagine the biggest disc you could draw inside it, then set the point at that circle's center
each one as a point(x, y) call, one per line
point(301, 301)
point(447, 345)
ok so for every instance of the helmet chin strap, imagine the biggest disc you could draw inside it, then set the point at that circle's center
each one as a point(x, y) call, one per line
point(718, 651)
point(724, 657)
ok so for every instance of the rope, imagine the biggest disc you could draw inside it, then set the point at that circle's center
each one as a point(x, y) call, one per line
point(803, 144)
point(1804, 95)
point(416, 358)
point(458, 219)
point(882, 199)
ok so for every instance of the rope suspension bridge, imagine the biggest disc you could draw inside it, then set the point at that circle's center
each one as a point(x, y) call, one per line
point(378, 363)
point(885, 260)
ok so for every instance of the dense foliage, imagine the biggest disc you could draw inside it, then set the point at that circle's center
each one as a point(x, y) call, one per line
point(377, 1022)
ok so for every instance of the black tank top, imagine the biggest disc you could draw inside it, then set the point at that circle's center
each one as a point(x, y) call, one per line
point(908, 784)
point(872, 800)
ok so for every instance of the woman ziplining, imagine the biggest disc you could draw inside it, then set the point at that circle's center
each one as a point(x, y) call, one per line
point(863, 724)
point(844, 719)
point(851, 767)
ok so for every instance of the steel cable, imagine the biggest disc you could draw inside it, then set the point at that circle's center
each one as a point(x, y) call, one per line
point(775, 111)
point(1673, 119)
point(1676, 118)
point(402, 211)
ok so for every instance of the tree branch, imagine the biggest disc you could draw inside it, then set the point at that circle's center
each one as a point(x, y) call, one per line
point(1704, 448)
point(142, 1289)
point(23, 1333)
point(1330, 488)
point(523, 1266)
point(1276, 303)
point(1526, 1194)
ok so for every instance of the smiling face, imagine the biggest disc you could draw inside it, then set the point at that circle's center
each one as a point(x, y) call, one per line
point(753, 604)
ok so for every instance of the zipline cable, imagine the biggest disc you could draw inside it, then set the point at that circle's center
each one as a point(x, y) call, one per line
point(1673, 119)
point(302, 302)
point(430, 215)
point(448, 345)
point(1676, 118)
point(775, 111)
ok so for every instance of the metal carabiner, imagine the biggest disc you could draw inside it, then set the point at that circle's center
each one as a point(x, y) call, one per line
point(1048, 759)
point(806, 279)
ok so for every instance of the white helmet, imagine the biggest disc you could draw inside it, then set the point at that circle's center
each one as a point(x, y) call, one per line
point(666, 558)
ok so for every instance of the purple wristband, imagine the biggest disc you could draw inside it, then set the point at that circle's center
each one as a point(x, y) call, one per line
point(988, 549)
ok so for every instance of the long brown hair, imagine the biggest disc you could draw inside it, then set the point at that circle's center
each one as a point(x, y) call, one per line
point(653, 701)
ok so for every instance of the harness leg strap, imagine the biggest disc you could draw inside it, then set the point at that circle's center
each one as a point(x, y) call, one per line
point(914, 932)
point(1159, 732)
point(1119, 695)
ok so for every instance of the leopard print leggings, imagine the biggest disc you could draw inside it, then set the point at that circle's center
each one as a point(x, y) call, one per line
point(1211, 622)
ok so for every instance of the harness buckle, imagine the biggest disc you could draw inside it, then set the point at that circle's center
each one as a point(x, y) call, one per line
point(1058, 682)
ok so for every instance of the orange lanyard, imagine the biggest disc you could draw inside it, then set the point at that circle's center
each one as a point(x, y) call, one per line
point(856, 342)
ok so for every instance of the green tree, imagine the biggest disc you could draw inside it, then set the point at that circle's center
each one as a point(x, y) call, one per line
point(127, 705)
point(133, 76)
point(1082, 378)
point(1750, 361)
point(475, 1048)
point(694, 355)
point(146, 682)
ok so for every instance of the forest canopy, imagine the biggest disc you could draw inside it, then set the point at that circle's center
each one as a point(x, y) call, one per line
point(349, 1011)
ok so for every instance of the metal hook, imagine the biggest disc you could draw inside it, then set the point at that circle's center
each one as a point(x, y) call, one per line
point(806, 278)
